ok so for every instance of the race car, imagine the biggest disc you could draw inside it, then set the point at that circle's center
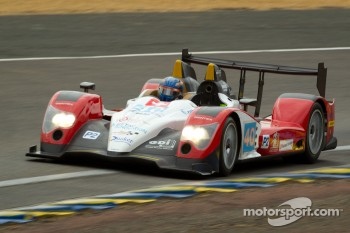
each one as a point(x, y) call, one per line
point(206, 131)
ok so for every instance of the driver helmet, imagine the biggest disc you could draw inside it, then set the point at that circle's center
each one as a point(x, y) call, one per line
point(170, 88)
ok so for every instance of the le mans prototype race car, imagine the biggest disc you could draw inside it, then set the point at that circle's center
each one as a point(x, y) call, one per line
point(206, 131)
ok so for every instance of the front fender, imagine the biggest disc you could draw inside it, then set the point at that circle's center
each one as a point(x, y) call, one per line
point(82, 106)
point(207, 117)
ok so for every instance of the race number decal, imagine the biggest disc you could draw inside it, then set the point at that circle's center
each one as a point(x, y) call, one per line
point(265, 141)
point(249, 137)
point(92, 135)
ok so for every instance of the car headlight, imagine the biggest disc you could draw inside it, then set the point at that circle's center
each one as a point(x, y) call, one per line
point(55, 118)
point(63, 120)
point(198, 135)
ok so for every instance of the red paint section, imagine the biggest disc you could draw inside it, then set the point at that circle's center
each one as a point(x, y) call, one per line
point(87, 107)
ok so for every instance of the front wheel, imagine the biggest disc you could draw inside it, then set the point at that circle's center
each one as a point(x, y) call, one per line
point(228, 147)
point(315, 134)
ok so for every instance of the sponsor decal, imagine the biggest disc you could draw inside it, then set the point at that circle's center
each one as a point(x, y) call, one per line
point(92, 135)
point(122, 139)
point(126, 133)
point(249, 137)
point(123, 118)
point(131, 119)
point(129, 127)
point(148, 110)
point(330, 124)
point(205, 118)
point(157, 103)
point(186, 111)
point(286, 145)
point(275, 142)
point(64, 103)
point(162, 144)
point(265, 141)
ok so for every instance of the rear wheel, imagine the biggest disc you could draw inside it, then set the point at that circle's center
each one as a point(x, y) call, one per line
point(228, 147)
point(315, 134)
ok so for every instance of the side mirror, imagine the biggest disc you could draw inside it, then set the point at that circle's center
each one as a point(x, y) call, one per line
point(87, 86)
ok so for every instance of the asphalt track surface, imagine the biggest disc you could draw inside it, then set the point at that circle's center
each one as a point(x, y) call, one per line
point(27, 85)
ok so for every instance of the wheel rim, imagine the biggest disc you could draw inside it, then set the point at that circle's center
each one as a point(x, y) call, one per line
point(315, 132)
point(229, 146)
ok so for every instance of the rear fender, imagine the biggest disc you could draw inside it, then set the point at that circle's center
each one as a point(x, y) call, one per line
point(294, 109)
point(329, 111)
point(83, 106)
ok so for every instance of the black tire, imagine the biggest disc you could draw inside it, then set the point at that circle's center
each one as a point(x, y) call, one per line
point(314, 134)
point(228, 147)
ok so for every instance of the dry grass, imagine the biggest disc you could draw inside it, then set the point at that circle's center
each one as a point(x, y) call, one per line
point(14, 7)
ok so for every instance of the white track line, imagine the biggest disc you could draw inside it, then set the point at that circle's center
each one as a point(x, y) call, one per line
point(339, 148)
point(38, 179)
point(96, 172)
point(175, 53)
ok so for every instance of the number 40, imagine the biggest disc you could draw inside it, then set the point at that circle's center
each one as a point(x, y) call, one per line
point(249, 137)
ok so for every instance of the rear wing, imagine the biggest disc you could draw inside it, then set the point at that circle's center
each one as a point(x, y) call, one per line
point(320, 72)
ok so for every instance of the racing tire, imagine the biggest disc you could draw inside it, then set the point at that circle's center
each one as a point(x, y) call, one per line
point(228, 147)
point(314, 135)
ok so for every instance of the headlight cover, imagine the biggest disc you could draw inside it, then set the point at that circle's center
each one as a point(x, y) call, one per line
point(199, 135)
point(55, 118)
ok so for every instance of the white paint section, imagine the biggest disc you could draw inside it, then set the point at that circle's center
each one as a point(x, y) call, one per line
point(175, 53)
point(143, 119)
point(38, 179)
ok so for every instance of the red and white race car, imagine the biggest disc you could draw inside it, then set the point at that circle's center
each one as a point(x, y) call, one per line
point(207, 131)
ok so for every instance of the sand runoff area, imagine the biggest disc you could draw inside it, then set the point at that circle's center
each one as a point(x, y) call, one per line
point(20, 7)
